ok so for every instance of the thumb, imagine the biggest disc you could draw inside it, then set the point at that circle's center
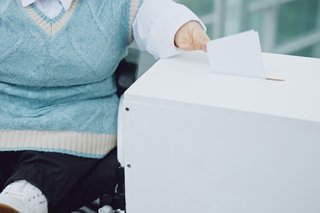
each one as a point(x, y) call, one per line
point(203, 43)
point(200, 40)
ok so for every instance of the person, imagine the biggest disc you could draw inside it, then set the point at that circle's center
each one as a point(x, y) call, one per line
point(58, 103)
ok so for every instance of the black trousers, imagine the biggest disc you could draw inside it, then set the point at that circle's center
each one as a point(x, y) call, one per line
point(67, 181)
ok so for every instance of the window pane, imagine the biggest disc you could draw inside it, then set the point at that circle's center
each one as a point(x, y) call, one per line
point(296, 19)
point(304, 52)
point(255, 20)
point(200, 7)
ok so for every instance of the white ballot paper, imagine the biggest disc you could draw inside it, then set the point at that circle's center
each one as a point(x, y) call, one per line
point(238, 54)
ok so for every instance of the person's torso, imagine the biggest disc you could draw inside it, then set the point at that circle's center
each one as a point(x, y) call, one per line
point(63, 67)
point(80, 46)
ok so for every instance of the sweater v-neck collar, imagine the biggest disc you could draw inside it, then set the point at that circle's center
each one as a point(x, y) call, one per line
point(46, 24)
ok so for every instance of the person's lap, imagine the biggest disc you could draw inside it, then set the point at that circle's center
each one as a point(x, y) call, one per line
point(67, 181)
point(101, 179)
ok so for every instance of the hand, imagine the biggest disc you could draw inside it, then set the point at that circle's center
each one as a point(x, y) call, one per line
point(191, 36)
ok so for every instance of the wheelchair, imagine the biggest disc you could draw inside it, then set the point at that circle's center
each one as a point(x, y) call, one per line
point(107, 178)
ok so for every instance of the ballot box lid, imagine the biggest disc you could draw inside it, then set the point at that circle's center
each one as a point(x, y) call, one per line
point(292, 91)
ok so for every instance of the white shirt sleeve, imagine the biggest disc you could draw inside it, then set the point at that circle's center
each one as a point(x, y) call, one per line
point(156, 24)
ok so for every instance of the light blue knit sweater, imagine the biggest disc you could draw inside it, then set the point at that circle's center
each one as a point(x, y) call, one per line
point(57, 90)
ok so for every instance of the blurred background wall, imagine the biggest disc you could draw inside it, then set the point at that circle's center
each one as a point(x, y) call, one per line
point(285, 26)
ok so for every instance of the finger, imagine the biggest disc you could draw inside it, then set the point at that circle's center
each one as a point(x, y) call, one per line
point(185, 45)
point(201, 42)
point(205, 42)
point(204, 48)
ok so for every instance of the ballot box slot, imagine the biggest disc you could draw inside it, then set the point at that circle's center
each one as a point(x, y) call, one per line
point(274, 79)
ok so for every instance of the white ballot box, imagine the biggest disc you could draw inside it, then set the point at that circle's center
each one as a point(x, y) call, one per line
point(194, 141)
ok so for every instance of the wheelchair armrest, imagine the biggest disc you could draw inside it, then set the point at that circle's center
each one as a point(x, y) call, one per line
point(126, 72)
